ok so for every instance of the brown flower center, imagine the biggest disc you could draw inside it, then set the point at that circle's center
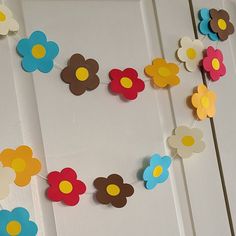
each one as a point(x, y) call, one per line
point(188, 141)
point(82, 74)
point(113, 190)
point(222, 24)
point(65, 187)
point(215, 64)
point(18, 165)
point(126, 82)
point(2, 16)
point(164, 71)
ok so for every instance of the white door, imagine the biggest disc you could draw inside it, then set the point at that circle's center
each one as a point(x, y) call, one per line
point(98, 134)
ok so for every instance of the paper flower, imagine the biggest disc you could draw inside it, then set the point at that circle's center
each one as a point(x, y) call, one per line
point(220, 23)
point(126, 83)
point(81, 74)
point(22, 162)
point(190, 52)
point(7, 177)
point(162, 73)
point(16, 222)
point(65, 187)
point(157, 172)
point(187, 141)
point(204, 100)
point(37, 52)
point(112, 190)
point(7, 22)
point(213, 63)
point(203, 26)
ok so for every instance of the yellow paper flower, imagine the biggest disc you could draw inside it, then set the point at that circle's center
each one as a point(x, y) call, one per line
point(204, 101)
point(162, 73)
point(22, 162)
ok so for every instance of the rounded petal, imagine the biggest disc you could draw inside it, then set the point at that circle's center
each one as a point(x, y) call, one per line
point(92, 65)
point(45, 66)
point(201, 113)
point(131, 73)
point(38, 37)
point(127, 190)
point(151, 183)
point(118, 202)
point(149, 70)
point(173, 141)
point(102, 197)
point(184, 153)
point(147, 174)
point(23, 47)
point(52, 50)
point(199, 147)
point(196, 99)
point(13, 25)
point(28, 64)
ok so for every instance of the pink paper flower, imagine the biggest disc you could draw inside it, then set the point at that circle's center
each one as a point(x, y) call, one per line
point(213, 63)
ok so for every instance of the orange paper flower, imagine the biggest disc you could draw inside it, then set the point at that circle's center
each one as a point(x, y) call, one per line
point(162, 73)
point(22, 162)
point(204, 101)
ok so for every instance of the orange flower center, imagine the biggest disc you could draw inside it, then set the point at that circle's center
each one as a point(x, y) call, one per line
point(222, 24)
point(2, 16)
point(215, 64)
point(157, 171)
point(38, 51)
point(126, 82)
point(18, 165)
point(164, 71)
point(188, 141)
point(113, 190)
point(205, 101)
point(82, 74)
point(191, 53)
point(65, 187)
point(13, 228)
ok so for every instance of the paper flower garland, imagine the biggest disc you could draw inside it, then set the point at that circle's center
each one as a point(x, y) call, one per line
point(162, 73)
point(220, 23)
point(7, 177)
point(187, 141)
point(37, 52)
point(65, 187)
point(16, 222)
point(213, 63)
point(7, 22)
point(112, 190)
point(190, 52)
point(81, 74)
point(204, 27)
point(22, 162)
point(126, 83)
point(204, 101)
point(157, 172)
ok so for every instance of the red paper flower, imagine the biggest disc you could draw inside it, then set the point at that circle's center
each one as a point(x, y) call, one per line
point(126, 83)
point(65, 187)
point(213, 63)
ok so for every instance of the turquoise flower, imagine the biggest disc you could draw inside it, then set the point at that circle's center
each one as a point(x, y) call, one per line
point(37, 52)
point(204, 26)
point(17, 223)
point(157, 172)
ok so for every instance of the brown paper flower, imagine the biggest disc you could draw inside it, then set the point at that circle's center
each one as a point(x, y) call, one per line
point(80, 74)
point(220, 23)
point(112, 190)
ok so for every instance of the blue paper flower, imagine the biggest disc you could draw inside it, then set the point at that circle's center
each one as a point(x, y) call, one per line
point(204, 28)
point(157, 172)
point(17, 223)
point(37, 52)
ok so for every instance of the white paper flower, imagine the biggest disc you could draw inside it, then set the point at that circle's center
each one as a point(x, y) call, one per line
point(7, 22)
point(190, 52)
point(7, 177)
point(187, 141)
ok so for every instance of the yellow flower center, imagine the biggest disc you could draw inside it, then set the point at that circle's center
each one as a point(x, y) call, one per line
point(222, 24)
point(2, 16)
point(157, 171)
point(18, 165)
point(205, 101)
point(215, 64)
point(191, 53)
point(13, 228)
point(38, 51)
point(65, 187)
point(188, 141)
point(126, 82)
point(113, 190)
point(164, 71)
point(82, 74)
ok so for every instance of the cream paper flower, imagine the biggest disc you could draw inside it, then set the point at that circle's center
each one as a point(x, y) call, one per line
point(7, 22)
point(7, 177)
point(190, 52)
point(187, 141)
